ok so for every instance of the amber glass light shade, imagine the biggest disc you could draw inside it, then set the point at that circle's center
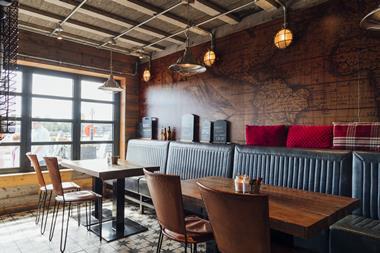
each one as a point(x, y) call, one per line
point(209, 58)
point(283, 38)
point(146, 75)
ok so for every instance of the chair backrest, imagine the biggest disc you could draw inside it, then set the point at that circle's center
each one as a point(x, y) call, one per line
point(148, 152)
point(37, 168)
point(55, 176)
point(240, 221)
point(196, 160)
point(366, 183)
point(324, 171)
point(166, 195)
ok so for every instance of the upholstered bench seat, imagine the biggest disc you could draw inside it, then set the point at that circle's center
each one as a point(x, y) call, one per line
point(355, 234)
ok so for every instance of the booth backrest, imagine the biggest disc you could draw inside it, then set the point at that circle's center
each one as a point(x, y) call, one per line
point(195, 160)
point(325, 171)
point(366, 183)
point(148, 152)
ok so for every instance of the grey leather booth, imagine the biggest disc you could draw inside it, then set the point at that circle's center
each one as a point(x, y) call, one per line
point(325, 171)
point(196, 160)
point(360, 232)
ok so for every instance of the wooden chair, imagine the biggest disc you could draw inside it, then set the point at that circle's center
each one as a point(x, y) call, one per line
point(45, 192)
point(167, 200)
point(240, 221)
point(69, 198)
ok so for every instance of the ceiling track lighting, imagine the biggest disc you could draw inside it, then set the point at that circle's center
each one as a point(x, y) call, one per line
point(187, 65)
point(284, 37)
point(58, 32)
point(111, 84)
point(209, 57)
point(147, 74)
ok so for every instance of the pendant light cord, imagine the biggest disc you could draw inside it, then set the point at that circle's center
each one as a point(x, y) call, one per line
point(111, 67)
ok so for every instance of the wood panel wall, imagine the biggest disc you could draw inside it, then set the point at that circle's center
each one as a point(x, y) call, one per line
point(330, 73)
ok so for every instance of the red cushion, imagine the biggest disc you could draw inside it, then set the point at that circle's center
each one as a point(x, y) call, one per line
point(309, 136)
point(357, 136)
point(271, 136)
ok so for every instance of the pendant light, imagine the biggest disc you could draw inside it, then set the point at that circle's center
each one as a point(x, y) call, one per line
point(372, 20)
point(146, 74)
point(111, 84)
point(210, 56)
point(284, 37)
point(187, 65)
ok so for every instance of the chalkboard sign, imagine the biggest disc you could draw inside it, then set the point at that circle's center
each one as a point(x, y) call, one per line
point(149, 128)
point(189, 128)
point(221, 131)
point(206, 131)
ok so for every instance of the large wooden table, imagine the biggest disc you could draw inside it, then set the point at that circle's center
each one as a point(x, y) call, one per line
point(119, 226)
point(295, 212)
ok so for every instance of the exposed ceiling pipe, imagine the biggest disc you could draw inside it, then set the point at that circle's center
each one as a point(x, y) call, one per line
point(144, 22)
point(199, 24)
point(80, 65)
point(59, 26)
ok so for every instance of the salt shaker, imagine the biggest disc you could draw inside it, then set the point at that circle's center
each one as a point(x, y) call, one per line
point(109, 158)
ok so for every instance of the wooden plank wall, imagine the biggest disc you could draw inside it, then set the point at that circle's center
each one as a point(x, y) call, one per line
point(20, 191)
point(330, 73)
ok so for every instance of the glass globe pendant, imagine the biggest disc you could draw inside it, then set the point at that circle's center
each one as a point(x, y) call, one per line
point(284, 37)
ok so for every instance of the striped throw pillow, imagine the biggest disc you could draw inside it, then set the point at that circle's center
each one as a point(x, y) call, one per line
point(357, 136)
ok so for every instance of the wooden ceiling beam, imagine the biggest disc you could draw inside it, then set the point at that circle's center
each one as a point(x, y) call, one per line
point(267, 5)
point(152, 10)
point(115, 19)
point(43, 30)
point(212, 9)
point(30, 11)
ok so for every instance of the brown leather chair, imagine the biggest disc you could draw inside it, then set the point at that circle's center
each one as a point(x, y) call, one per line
point(69, 198)
point(46, 192)
point(167, 199)
point(240, 221)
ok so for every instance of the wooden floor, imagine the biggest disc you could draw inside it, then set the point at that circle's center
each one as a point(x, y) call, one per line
point(19, 234)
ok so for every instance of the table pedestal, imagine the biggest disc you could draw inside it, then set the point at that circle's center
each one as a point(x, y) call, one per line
point(118, 227)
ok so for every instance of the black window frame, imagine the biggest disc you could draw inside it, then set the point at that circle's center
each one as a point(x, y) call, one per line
point(26, 119)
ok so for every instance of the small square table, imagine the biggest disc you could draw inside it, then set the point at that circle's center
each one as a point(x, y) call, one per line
point(119, 226)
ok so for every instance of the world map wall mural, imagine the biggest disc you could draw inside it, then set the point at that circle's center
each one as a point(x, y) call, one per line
point(316, 81)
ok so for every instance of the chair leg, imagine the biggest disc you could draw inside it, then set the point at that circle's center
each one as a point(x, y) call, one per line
point(100, 208)
point(185, 247)
point(87, 218)
point(38, 208)
point(78, 213)
point(141, 205)
point(53, 220)
point(62, 244)
point(44, 221)
point(195, 248)
point(159, 243)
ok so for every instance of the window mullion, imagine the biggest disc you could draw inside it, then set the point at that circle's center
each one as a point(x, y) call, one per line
point(76, 126)
point(26, 111)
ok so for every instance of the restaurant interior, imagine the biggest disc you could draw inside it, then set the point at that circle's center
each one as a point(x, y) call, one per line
point(230, 126)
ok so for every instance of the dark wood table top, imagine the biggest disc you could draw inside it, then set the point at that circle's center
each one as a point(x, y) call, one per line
point(99, 168)
point(299, 213)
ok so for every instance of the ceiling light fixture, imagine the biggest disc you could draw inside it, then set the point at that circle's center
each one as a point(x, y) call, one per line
point(187, 65)
point(111, 84)
point(58, 31)
point(147, 74)
point(284, 37)
point(210, 56)
point(372, 20)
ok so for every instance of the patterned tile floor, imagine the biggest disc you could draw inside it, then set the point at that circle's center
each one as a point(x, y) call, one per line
point(19, 234)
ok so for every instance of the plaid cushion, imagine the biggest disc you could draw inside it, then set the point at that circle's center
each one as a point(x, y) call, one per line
point(357, 136)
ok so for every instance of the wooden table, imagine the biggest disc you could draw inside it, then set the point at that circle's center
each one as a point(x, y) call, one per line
point(295, 212)
point(119, 226)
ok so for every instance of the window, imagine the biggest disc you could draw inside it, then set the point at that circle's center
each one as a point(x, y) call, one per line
point(63, 115)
